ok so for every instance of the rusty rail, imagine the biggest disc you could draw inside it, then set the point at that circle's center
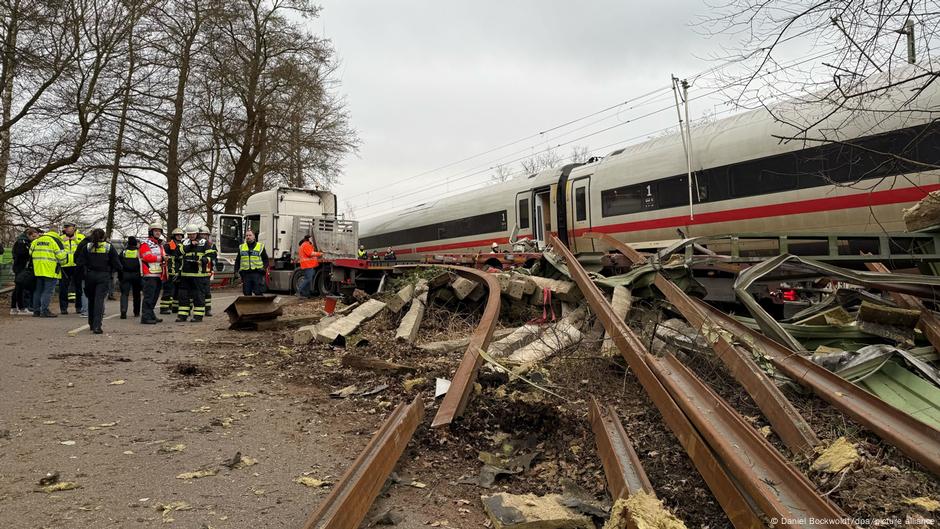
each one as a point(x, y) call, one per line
point(732, 500)
point(461, 387)
point(625, 474)
point(929, 322)
point(353, 494)
point(786, 421)
point(918, 440)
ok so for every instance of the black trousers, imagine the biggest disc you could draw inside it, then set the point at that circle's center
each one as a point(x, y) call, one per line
point(192, 297)
point(96, 290)
point(70, 288)
point(151, 288)
point(252, 282)
point(129, 285)
point(21, 298)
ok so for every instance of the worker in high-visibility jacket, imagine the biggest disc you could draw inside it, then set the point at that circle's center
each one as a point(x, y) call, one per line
point(169, 300)
point(48, 255)
point(213, 254)
point(194, 270)
point(70, 285)
point(251, 263)
point(152, 272)
point(129, 276)
point(309, 259)
point(100, 261)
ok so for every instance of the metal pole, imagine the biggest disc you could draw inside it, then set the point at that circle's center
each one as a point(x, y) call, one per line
point(909, 30)
point(688, 144)
point(685, 145)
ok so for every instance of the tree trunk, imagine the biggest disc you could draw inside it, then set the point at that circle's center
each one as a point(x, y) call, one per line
point(173, 161)
point(119, 142)
point(6, 102)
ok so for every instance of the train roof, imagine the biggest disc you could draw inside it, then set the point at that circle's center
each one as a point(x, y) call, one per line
point(748, 135)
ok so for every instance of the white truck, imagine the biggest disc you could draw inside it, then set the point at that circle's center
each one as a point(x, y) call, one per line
point(280, 218)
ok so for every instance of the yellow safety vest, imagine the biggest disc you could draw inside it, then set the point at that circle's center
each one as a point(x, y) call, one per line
point(48, 254)
point(103, 248)
point(70, 246)
point(130, 254)
point(250, 259)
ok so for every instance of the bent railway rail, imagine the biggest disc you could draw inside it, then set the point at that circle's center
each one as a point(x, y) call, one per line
point(775, 487)
point(625, 474)
point(350, 499)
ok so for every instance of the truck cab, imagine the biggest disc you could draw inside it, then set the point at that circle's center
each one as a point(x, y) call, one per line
point(280, 218)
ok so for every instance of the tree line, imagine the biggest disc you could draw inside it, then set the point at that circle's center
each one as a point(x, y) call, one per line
point(118, 112)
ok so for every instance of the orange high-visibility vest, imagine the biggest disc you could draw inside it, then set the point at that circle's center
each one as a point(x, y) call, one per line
point(309, 255)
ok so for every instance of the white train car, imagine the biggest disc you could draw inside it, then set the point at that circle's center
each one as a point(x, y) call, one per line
point(745, 181)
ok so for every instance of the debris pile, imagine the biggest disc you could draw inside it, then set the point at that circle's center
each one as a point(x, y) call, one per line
point(804, 387)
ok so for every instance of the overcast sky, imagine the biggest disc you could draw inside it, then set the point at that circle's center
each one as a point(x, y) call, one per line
point(430, 82)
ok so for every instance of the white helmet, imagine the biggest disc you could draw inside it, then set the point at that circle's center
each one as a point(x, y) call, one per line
point(192, 228)
point(155, 225)
point(204, 229)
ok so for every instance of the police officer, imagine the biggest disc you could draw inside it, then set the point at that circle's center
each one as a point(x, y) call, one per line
point(169, 301)
point(99, 260)
point(251, 262)
point(48, 255)
point(213, 254)
point(194, 270)
point(70, 286)
point(129, 276)
point(152, 272)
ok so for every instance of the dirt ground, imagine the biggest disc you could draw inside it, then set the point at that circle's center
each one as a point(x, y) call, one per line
point(106, 412)
point(127, 414)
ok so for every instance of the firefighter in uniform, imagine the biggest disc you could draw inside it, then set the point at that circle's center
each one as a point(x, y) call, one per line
point(152, 272)
point(100, 260)
point(213, 254)
point(169, 302)
point(251, 262)
point(130, 277)
point(194, 270)
point(48, 255)
point(70, 285)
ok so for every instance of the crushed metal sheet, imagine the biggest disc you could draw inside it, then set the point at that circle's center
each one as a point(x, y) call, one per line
point(906, 391)
point(840, 455)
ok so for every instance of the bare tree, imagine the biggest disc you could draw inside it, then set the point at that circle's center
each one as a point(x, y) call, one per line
point(838, 55)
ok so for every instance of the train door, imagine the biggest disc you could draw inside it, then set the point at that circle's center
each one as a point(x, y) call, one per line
point(542, 221)
point(579, 213)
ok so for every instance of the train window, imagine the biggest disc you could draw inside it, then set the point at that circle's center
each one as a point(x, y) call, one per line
point(524, 213)
point(580, 204)
point(760, 177)
point(673, 192)
point(451, 229)
point(625, 200)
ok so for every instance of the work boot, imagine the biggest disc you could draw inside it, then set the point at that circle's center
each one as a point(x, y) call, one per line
point(64, 312)
point(180, 319)
point(36, 314)
point(123, 315)
point(48, 314)
point(97, 331)
point(208, 313)
point(148, 322)
point(197, 319)
point(164, 311)
point(159, 320)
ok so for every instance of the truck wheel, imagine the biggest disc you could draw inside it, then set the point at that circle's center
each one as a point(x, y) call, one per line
point(324, 282)
point(295, 281)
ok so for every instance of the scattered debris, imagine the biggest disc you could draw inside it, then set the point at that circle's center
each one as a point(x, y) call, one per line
point(837, 457)
point(441, 385)
point(528, 511)
point(49, 479)
point(412, 383)
point(312, 483)
point(411, 323)
point(375, 364)
point(925, 503)
point(117, 382)
point(167, 509)
point(59, 486)
point(348, 391)
point(236, 395)
point(197, 474)
point(172, 448)
point(340, 329)
point(643, 511)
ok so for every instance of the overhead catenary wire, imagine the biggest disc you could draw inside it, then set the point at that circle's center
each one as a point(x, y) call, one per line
point(485, 168)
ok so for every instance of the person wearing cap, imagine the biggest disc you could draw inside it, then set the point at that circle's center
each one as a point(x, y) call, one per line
point(70, 286)
point(152, 272)
point(194, 270)
point(213, 254)
point(251, 262)
point(48, 255)
point(100, 260)
point(129, 276)
point(169, 301)
point(309, 261)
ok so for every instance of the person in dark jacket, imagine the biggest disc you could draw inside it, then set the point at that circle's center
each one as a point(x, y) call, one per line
point(100, 261)
point(22, 299)
point(129, 276)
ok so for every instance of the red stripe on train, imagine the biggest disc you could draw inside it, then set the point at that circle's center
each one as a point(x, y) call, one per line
point(816, 205)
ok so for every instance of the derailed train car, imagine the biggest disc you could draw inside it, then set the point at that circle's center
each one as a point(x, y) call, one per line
point(875, 162)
